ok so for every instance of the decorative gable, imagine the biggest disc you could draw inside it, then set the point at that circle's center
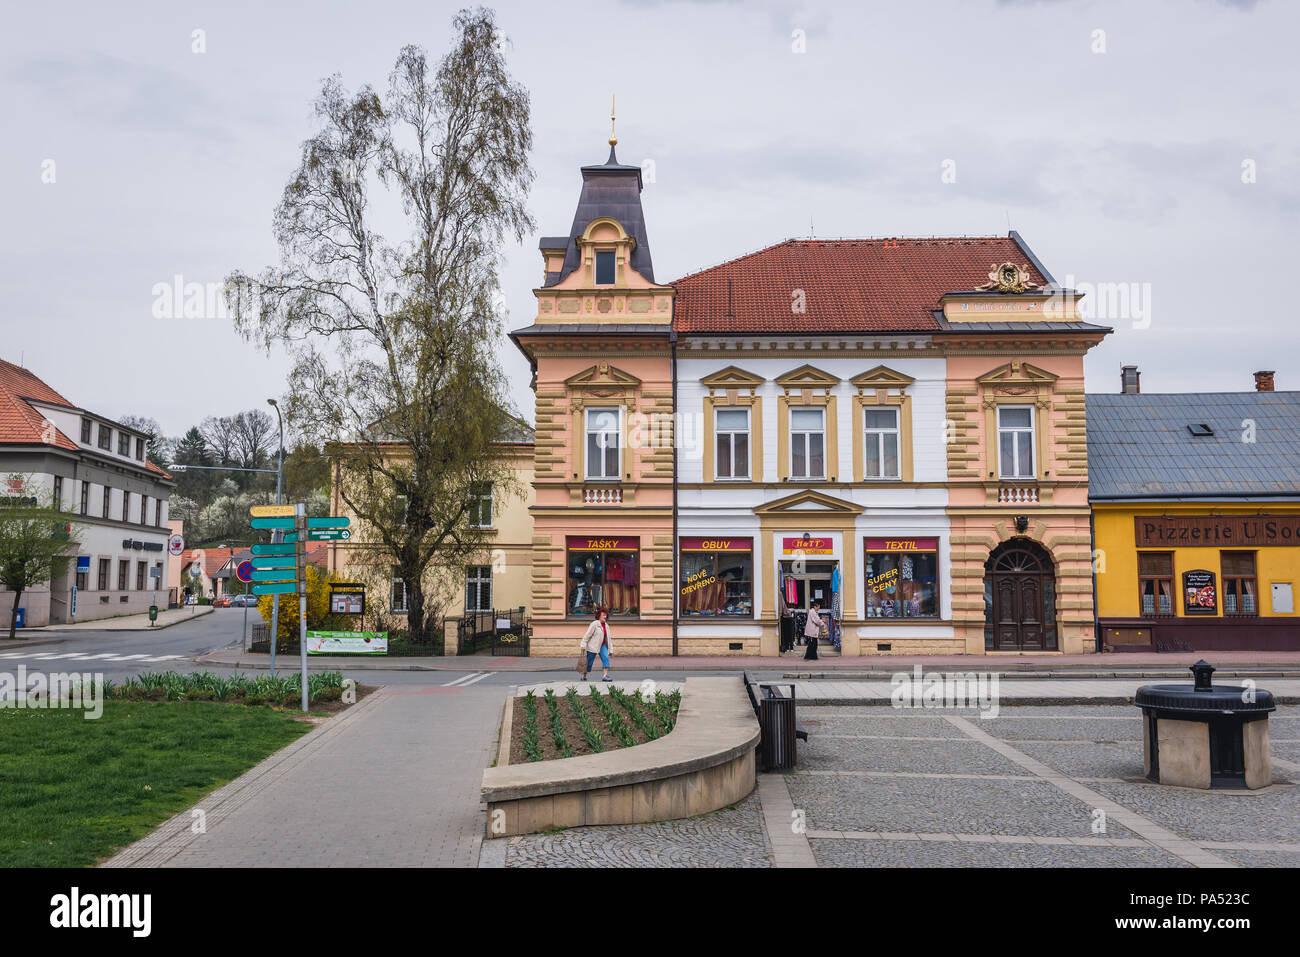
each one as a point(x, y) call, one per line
point(731, 378)
point(810, 501)
point(603, 376)
point(881, 377)
point(806, 377)
point(1017, 378)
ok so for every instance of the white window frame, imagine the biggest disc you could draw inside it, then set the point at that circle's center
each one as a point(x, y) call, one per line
point(807, 444)
point(595, 267)
point(877, 436)
point(479, 502)
point(617, 432)
point(718, 432)
point(478, 581)
point(1015, 472)
point(392, 588)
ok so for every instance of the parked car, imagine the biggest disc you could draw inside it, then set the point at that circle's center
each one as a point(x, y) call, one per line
point(241, 601)
point(222, 601)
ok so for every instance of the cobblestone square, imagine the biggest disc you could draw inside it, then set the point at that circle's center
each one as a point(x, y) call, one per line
point(876, 787)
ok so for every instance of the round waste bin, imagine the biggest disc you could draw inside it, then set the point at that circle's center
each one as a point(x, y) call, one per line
point(1206, 736)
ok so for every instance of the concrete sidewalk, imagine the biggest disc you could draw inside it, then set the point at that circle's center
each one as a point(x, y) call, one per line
point(392, 782)
point(140, 622)
point(1229, 663)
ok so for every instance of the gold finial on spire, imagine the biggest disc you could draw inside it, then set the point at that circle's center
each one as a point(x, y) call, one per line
point(613, 140)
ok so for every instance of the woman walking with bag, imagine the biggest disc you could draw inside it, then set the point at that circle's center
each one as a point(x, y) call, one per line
point(597, 641)
point(812, 631)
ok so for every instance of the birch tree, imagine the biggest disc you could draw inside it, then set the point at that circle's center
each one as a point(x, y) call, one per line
point(393, 330)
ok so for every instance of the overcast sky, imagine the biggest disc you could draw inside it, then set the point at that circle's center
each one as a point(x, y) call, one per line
point(1117, 167)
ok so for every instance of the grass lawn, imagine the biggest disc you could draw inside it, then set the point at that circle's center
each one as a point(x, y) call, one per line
point(72, 791)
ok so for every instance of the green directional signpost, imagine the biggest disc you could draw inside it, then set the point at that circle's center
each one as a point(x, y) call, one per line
point(279, 550)
point(322, 535)
point(285, 523)
point(281, 567)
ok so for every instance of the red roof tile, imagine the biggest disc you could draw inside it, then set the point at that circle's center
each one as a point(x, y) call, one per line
point(20, 423)
point(849, 285)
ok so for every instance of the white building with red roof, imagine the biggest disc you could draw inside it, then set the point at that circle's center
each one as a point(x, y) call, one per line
point(97, 470)
point(875, 424)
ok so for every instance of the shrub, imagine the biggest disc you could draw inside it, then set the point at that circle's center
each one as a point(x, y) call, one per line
point(318, 610)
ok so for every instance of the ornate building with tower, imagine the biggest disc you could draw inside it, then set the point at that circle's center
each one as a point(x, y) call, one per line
point(893, 428)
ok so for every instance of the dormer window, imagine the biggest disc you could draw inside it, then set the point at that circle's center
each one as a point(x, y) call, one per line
point(605, 268)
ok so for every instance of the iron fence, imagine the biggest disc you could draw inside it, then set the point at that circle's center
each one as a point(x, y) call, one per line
point(504, 631)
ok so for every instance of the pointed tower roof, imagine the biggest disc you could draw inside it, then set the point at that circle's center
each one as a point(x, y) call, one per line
point(613, 190)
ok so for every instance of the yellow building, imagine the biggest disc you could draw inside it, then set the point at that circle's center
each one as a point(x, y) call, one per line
point(1196, 518)
point(500, 579)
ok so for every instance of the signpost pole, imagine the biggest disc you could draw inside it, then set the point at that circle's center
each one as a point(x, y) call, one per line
point(301, 548)
point(277, 536)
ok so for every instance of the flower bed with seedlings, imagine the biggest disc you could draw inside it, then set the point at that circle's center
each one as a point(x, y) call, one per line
point(324, 689)
point(548, 726)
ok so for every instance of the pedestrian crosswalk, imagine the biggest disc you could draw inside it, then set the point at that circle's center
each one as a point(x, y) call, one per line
point(466, 680)
point(102, 658)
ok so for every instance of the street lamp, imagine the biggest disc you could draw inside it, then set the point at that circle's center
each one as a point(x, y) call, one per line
point(276, 536)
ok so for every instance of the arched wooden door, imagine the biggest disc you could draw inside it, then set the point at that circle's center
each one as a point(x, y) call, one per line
point(1021, 588)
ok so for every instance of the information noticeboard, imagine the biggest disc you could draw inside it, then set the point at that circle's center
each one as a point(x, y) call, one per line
point(1199, 594)
point(347, 598)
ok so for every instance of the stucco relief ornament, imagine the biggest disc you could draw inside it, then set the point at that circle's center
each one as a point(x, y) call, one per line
point(1007, 278)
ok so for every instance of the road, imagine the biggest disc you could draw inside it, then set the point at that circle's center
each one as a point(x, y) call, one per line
point(120, 654)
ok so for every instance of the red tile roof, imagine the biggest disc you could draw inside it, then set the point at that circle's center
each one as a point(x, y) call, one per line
point(849, 285)
point(20, 423)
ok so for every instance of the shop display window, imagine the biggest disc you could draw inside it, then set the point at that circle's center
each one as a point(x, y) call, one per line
point(902, 578)
point(603, 572)
point(717, 578)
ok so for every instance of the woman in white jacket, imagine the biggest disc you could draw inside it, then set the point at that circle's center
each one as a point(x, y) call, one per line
point(812, 630)
point(597, 641)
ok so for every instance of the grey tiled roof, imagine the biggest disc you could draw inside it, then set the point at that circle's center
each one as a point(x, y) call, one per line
point(1047, 325)
point(1140, 446)
point(593, 329)
point(612, 189)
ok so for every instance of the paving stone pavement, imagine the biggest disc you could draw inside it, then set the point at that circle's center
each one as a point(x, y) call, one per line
point(885, 788)
point(732, 837)
point(394, 783)
point(1084, 690)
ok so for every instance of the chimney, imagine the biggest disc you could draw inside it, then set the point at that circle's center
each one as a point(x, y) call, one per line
point(1130, 380)
point(1264, 381)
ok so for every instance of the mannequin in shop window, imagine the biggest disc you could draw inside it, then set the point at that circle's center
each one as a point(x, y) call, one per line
point(786, 626)
point(621, 584)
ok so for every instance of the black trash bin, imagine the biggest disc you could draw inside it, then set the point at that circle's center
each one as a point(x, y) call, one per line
point(776, 721)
